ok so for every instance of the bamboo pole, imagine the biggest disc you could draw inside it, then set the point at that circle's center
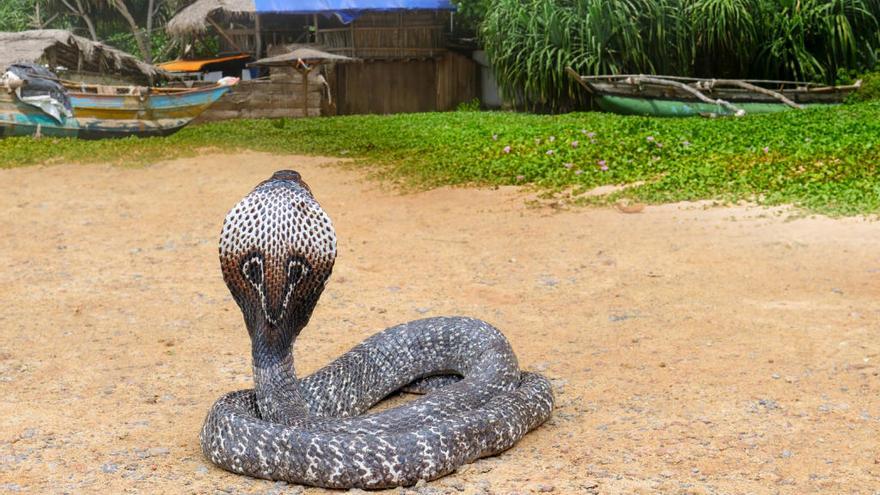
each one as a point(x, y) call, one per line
point(695, 79)
point(751, 87)
point(684, 87)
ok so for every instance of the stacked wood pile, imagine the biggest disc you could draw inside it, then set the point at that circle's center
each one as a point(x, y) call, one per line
point(280, 95)
point(266, 99)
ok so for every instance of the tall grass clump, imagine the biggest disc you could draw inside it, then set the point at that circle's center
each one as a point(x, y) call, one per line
point(530, 42)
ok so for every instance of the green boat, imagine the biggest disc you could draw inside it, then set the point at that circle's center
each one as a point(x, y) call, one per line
point(670, 96)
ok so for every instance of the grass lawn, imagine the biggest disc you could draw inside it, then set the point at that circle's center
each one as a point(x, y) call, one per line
point(824, 160)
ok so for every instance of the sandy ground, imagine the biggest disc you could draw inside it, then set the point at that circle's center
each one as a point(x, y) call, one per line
point(693, 350)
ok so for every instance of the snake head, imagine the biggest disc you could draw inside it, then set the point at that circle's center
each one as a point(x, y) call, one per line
point(277, 249)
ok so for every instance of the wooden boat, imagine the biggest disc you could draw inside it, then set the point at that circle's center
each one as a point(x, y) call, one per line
point(670, 96)
point(101, 112)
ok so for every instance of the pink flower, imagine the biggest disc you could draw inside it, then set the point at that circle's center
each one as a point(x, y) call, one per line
point(602, 165)
point(685, 143)
point(494, 137)
point(574, 144)
point(578, 172)
point(550, 152)
point(650, 139)
point(766, 149)
point(568, 165)
point(506, 149)
point(659, 145)
point(591, 135)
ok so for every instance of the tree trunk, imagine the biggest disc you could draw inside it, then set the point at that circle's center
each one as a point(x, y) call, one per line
point(151, 5)
point(139, 36)
point(38, 18)
point(88, 20)
point(80, 11)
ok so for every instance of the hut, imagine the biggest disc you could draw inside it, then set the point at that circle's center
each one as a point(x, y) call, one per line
point(406, 64)
point(76, 58)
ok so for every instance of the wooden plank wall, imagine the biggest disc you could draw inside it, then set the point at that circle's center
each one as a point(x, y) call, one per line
point(457, 81)
point(378, 87)
point(385, 87)
point(403, 86)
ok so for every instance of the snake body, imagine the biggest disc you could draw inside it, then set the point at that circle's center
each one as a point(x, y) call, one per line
point(277, 250)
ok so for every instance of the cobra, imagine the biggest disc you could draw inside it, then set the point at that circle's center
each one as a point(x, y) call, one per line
point(277, 249)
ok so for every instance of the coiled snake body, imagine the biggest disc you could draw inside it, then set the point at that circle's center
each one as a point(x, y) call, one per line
point(277, 250)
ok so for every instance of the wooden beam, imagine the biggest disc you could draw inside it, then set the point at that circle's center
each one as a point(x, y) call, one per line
point(258, 41)
point(315, 17)
point(225, 36)
point(305, 70)
point(577, 77)
point(353, 44)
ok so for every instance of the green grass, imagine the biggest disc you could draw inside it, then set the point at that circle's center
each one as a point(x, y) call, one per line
point(823, 160)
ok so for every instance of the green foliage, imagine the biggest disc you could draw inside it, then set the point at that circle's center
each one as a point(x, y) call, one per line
point(530, 42)
point(469, 106)
point(15, 15)
point(468, 16)
point(825, 160)
point(870, 89)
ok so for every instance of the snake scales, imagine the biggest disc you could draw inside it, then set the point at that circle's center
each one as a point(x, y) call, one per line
point(277, 249)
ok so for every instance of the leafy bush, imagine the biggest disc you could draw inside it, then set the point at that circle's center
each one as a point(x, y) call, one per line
point(870, 89)
point(469, 106)
point(15, 15)
point(530, 42)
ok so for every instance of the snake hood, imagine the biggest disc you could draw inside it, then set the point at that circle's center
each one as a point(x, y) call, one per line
point(277, 249)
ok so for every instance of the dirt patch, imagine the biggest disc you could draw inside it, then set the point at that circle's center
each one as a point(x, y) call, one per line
point(693, 350)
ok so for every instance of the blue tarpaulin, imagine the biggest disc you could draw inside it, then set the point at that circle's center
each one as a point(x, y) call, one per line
point(347, 6)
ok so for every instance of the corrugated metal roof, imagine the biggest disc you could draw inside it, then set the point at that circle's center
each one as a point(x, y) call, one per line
point(196, 65)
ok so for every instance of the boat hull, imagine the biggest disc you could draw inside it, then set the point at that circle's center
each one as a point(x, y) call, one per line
point(18, 119)
point(109, 116)
point(678, 96)
point(654, 107)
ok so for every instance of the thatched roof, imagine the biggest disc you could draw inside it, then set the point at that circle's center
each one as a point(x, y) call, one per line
point(63, 48)
point(193, 19)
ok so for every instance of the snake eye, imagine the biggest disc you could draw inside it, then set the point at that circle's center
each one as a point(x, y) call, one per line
point(252, 270)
